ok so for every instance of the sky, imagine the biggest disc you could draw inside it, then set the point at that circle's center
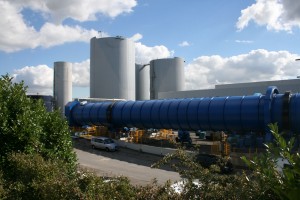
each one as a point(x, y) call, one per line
point(221, 41)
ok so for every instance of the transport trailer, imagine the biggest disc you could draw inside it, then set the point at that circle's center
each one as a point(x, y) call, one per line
point(229, 113)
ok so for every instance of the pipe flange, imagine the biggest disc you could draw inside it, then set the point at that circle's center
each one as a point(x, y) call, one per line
point(268, 104)
point(286, 110)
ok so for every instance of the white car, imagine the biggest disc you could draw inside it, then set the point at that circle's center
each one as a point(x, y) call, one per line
point(103, 143)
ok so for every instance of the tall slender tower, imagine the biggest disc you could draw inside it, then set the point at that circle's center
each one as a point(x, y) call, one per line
point(142, 81)
point(62, 89)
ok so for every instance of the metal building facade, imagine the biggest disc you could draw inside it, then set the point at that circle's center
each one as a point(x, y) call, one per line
point(47, 100)
point(112, 68)
point(236, 89)
point(166, 75)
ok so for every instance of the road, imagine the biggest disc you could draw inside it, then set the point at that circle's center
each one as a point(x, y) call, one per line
point(132, 164)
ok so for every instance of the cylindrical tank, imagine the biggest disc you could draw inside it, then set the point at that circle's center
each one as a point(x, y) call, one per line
point(112, 68)
point(142, 82)
point(62, 89)
point(166, 75)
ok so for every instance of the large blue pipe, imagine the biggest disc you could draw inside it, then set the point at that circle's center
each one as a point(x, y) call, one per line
point(232, 113)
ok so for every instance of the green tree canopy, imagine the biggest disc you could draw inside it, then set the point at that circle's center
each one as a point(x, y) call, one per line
point(26, 126)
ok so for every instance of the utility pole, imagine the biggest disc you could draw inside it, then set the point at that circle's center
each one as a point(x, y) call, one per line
point(297, 59)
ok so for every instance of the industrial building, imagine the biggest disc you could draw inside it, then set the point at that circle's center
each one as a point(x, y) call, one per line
point(236, 89)
point(158, 87)
point(47, 99)
point(114, 75)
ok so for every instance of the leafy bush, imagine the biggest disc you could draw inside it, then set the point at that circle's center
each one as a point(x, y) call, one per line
point(2, 190)
point(213, 185)
point(95, 187)
point(26, 126)
point(155, 191)
point(284, 182)
point(32, 177)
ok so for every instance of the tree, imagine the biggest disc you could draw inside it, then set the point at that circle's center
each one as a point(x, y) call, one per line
point(284, 181)
point(26, 126)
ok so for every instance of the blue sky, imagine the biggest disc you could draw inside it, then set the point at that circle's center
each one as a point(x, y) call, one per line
point(221, 41)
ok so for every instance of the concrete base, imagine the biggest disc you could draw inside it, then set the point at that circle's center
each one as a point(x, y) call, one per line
point(146, 148)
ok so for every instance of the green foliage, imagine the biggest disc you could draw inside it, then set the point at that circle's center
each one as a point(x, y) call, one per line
point(26, 126)
point(94, 187)
point(2, 190)
point(213, 185)
point(32, 177)
point(285, 183)
point(155, 191)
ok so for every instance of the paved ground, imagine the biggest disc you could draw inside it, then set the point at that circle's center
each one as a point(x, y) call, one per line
point(132, 164)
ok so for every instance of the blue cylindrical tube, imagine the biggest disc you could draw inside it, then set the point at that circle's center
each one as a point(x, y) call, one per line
point(232, 113)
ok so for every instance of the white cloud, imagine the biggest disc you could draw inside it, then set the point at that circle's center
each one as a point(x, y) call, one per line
point(79, 10)
point(184, 44)
point(274, 14)
point(39, 79)
point(88, 9)
point(136, 37)
point(81, 73)
point(257, 65)
point(51, 34)
point(14, 34)
point(17, 34)
point(292, 10)
point(144, 54)
point(244, 41)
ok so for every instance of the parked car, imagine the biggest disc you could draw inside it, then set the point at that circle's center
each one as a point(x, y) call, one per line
point(103, 143)
point(77, 135)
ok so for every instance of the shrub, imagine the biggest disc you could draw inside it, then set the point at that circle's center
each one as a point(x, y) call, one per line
point(212, 184)
point(33, 177)
point(26, 126)
point(284, 181)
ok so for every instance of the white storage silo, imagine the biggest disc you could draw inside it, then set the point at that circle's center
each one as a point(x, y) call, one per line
point(142, 82)
point(166, 75)
point(112, 68)
point(62, 88)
